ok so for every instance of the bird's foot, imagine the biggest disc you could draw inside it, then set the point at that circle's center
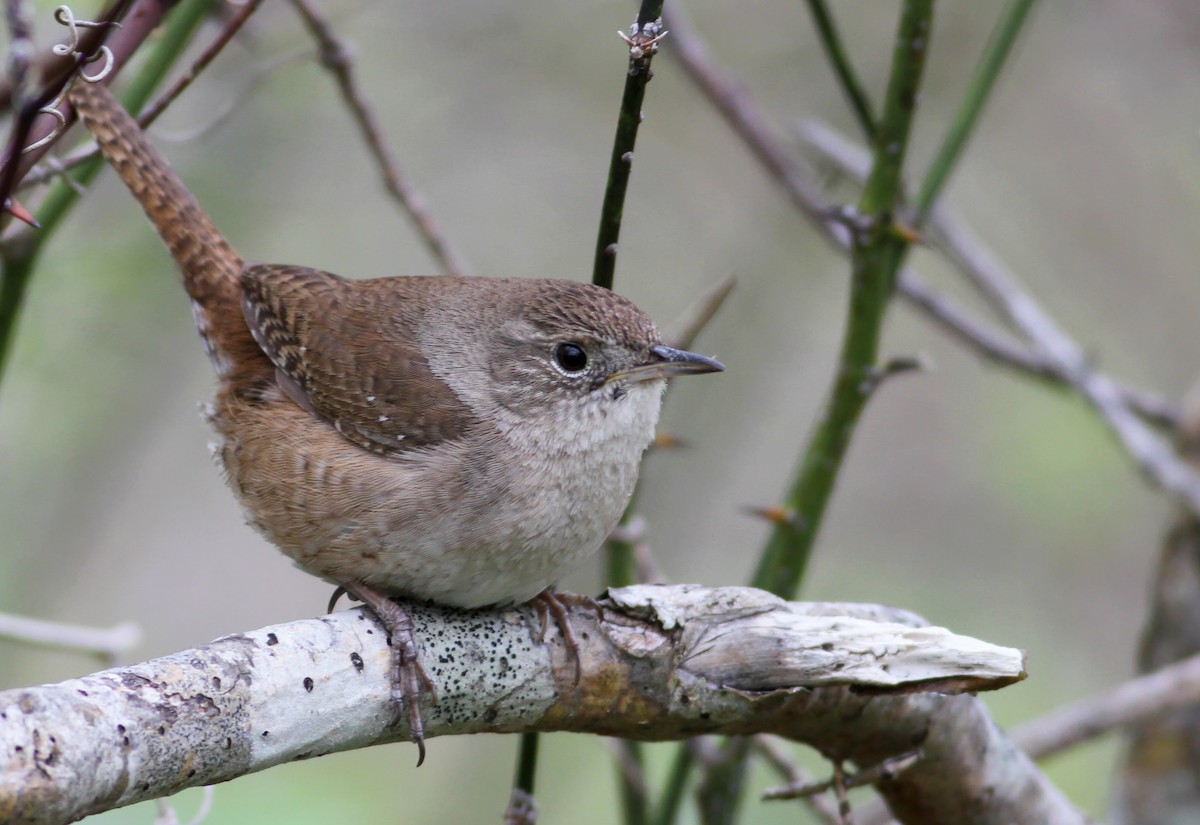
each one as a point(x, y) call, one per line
point(550, 603)
point(408, 678)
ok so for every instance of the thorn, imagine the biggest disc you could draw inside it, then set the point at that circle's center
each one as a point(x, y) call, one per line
point(664, 440)
point(897, 366)
point(775, 514)
point(14, 208)
point(908, 233)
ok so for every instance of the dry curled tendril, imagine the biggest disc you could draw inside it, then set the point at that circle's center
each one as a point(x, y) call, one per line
point(63, 15)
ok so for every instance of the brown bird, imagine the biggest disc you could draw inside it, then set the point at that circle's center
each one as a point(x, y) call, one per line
point(459, 440)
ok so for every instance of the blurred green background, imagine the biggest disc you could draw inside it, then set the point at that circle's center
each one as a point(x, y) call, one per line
point(986, 502)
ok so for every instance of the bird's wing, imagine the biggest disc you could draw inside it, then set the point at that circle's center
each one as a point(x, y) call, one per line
point(347, 351)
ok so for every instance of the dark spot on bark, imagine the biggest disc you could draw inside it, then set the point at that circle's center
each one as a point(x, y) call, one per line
point(265, 734)
point(827, 646)
point(82, 692)
point(216, 682)
point(272, 639)
point(162, 730)
point(490, 715)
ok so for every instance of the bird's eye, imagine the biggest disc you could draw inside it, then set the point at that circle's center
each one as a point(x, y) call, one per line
point(570, 357)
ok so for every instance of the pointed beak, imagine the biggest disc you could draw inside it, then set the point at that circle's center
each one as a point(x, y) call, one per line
point(668, 362)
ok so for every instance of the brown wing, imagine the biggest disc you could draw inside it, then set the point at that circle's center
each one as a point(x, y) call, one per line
point(345, 351)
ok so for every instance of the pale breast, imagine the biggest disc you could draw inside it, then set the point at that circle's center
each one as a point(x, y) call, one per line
point(480, 521)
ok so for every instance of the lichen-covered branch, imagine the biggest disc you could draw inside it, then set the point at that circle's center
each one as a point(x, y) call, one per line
point(658, 663)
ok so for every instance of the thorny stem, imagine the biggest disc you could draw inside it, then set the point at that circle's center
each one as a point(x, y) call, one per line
point(877, 251)
point(620, 566)
point(628, 120)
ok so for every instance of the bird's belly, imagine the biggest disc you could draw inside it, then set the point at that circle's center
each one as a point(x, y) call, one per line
point(419, 527)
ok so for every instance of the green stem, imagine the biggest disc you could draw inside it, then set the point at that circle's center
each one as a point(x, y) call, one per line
point(720, 794)
point(876, 255)
point(19, 260)
point(672, 797)
point(847, 78)
point(629, 118)
point(633, 797)
point(526, 763)
point(994, 56)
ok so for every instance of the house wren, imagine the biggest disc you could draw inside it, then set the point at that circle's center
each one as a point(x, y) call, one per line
point(460, 440)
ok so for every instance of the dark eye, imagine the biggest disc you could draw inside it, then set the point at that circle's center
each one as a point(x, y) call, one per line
point(570, 357)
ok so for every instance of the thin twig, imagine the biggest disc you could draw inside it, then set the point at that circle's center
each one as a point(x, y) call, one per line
point(1154, 695)
point(643, 39)
point(1153, 457)
point(809, 786)
point(735, 103)
point(110, 643)
point(54, 167)
point(151, 112)
point(338, 59)
point(848, 79)
point(994, 56)
point(631, 771)
point(778, 758)
point(695, 318)
point(852, 159)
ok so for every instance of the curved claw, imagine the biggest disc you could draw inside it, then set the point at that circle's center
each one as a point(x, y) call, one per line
point(333, 600)
point(409, 679)
point(548, 603)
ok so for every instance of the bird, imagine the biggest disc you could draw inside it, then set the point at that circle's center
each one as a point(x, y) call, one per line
point(458, 440)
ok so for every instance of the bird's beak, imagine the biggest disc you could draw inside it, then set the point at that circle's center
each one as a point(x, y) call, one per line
point(668, 362)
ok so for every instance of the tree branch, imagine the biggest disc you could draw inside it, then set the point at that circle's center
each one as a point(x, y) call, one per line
point(658, 663)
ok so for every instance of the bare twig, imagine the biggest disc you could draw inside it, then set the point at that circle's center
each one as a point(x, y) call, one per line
point(1146, 697)
point(151, 112)
point(1057, 351)
point(337, 57)
point(1154, 458)
point(692, 321)
point(809, 786)
point(1065, 365)
point(53, 167)
point(852, 159)
point(737, 106)
point(110, 644)
point(778, 758)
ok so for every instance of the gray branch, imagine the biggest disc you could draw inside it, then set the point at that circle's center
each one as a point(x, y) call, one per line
point(658, 663)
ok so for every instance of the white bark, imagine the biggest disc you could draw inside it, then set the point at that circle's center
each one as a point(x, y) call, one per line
point(658, 663)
